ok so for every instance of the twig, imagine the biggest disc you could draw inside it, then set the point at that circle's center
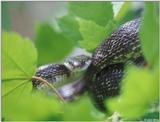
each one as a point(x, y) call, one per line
point(51, 86)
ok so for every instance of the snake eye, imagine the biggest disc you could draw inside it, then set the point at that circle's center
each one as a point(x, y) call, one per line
point(69, 64)
point(78, 63)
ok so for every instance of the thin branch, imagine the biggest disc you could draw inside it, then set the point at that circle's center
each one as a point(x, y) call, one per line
point(51, 86)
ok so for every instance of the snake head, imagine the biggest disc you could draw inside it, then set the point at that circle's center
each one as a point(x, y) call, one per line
point(55, 74)
point(78, 63)
point(60, 74)
point(78, 66)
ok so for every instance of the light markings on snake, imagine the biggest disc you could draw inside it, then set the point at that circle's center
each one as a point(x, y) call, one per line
point(107, 63)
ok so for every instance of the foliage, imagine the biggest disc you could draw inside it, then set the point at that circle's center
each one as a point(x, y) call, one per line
point(16, 68)
point(91, 31)
point(140, 87)
point(85, 26)
point(81, 110)
point(29, 108)
point(150, 33)
point(69, 27)
point(49, 43)
point(99, 12)
point(82, 15)
point(121, 9)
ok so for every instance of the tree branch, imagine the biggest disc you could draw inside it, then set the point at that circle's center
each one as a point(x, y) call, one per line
point(50, 85)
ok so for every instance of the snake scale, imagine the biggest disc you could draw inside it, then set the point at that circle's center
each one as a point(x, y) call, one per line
point(99, 74)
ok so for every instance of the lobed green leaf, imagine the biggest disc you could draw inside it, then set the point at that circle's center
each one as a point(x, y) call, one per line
point(31, 108)
point(98, 12)
point(149, 33)
point(19, 58)
point(139, 90)
point(69, 27)
point(51, 45)
point(120, 9)
point(93, 34)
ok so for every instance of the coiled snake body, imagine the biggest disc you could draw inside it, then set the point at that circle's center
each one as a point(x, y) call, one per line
point(100, 74)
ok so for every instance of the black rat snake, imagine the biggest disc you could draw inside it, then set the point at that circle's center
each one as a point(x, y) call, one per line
point(100, 74)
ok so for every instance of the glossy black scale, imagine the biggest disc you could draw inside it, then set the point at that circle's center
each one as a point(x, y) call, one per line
point(52, 73)
point(106, 84)
point(104, 74)
point(121, 48)
point(121, 45)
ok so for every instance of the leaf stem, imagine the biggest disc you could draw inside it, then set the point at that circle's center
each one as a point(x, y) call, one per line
point(51, 86)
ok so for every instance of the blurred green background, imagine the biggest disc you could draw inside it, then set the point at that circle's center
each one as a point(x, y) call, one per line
point(22, 17)
point(57, 34)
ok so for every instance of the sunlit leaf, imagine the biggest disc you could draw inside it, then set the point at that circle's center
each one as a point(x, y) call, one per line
point(139, 90)
point(70, 27)
point(98, 12)
point(51, 46)
point(127, 13)
point(81, 110)
point(87, 23)
point(120, 9)
point(109, 28)
point(117, 7)
point(149, 33)
point(30, 108)
point(19, 58)
point(93, 34)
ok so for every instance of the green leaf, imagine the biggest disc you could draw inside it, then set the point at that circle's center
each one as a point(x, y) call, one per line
point(139, 90)
point(31, 108)
point(98, 12)
point(93, 34)
point(19, 58)
point(70, 28)
point(127, 13)
point(82, 110)
point(151, 116)
point(120, 9)
point(149, 33)
point(109, 28)
point(117, 7)
point(51, 45)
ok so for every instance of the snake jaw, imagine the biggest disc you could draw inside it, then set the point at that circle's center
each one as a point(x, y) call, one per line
point(55, 74)
point(77, 65)
point(60, 74)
